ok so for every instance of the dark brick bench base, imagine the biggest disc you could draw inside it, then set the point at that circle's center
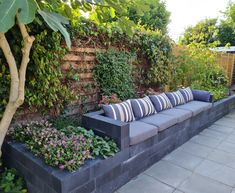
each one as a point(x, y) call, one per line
point(106, 176)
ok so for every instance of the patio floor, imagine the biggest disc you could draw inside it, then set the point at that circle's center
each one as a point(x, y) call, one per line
point(205, 164)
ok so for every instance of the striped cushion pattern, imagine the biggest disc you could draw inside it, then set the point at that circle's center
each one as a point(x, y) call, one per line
point(161, 102)
point(187, 94)
point(121, 111)
point(142, 107)
point(176, 98)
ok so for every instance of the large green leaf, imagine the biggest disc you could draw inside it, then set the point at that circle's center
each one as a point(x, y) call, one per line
point(9, 8)
point(55, 22)
point(27, 10)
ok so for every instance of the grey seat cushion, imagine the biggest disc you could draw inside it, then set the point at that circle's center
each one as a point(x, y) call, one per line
point(160, 120)
point(195, 107)
point(140, 131)
point(179, 114)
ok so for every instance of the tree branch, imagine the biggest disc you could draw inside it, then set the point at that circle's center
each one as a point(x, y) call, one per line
point(28, 42)
point(4, 45)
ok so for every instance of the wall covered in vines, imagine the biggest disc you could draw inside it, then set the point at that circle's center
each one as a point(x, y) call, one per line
point(58, 78)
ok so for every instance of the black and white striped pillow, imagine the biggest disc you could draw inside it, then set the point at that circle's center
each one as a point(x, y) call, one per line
point(142, 107)
point(121, 111)
point(176, 98)
point(187, 94)
point(161, 102)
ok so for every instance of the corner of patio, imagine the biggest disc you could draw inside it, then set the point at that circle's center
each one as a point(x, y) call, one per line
point(205, 164)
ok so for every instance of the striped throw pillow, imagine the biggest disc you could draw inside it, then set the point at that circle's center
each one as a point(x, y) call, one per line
point(176, 98)
point(187, 94)
point(161, 102)
point(142, 107)
point(121, 111)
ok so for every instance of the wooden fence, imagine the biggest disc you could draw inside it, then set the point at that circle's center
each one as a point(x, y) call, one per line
point(82, 60)
point(227, 61)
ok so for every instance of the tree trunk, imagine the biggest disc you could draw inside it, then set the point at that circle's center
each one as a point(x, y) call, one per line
point(17, 89)
point(6, 121)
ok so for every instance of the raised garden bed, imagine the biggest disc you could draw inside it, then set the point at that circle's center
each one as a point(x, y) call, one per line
point(106, 176)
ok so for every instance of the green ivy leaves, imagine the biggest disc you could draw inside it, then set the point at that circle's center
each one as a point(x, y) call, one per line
point(113, 74)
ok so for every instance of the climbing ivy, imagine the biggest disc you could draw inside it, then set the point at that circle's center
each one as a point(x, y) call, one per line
point(44, 89)
point(113, 74)
point(156, 48)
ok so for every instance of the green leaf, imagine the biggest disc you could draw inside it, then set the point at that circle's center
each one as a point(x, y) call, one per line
point(8, 10)
point(27, 10)
point(55, 22)
point(112, 12)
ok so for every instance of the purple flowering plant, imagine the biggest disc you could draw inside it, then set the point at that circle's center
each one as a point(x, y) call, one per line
point(67, 148)
point(57, 149)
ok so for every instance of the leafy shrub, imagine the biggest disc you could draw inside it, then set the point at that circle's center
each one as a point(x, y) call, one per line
point(62, 122)
point(44, 88)
point(67, 148)
point(156, 48)
point(11, 182)
point(157, 18)
point(113, 74)
point(103, 147)
point(196, 66)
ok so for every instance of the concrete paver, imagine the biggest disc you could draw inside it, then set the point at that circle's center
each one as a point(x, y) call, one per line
point(204, 164)
point(173, 178)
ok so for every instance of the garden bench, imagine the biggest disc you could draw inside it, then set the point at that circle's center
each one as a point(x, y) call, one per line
point(138, 149)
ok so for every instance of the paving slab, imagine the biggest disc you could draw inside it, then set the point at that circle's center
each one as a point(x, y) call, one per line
point(145, 184)
point(231, 115)
point(222, 157)
point(222, 129)
point(227, 123)
point(230, 138)
point(183, 159)
point(228, 119)
point(200, 184)
point(205, 164)
point(175, 177)
point(177, 191)
point(205, 140)
point(217, 172)
point(227, 147)
point(214, 134)
point(196, 149)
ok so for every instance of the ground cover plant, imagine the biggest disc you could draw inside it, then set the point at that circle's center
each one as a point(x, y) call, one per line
point(11, 181)
point(67, 148)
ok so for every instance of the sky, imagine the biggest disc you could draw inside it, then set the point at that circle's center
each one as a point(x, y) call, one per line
point(186, 13)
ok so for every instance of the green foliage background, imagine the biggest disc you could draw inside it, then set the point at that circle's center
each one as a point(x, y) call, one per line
point(43, 82)
point(113, 74)
point(196, 66)
point(11, 181)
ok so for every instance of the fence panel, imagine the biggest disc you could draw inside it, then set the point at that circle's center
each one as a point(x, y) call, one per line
point(226, 61)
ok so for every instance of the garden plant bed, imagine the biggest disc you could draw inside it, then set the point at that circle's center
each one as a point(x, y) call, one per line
point(106, 176)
